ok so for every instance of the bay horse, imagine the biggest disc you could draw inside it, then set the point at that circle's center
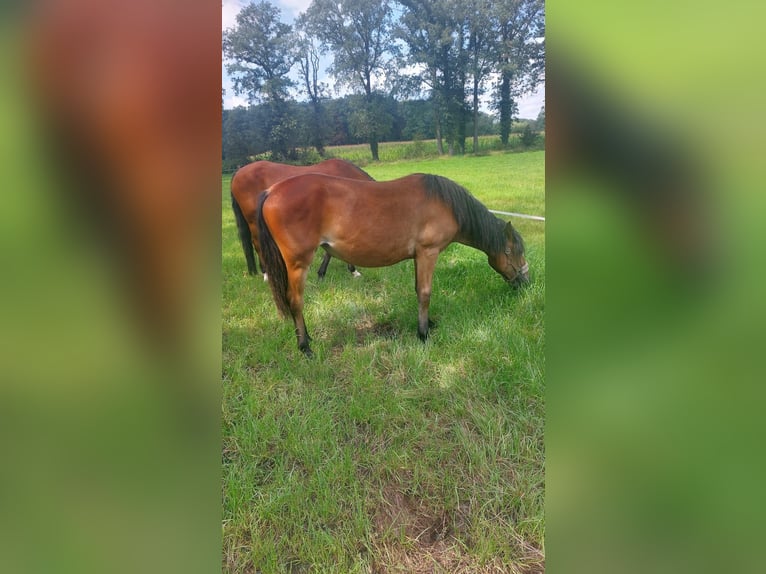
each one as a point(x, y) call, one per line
point(252, 180)
point(376, 224)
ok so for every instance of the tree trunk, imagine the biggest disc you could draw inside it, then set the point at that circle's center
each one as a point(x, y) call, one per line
point(475, 115)
point(439, 143)
point(318, 135)
point(374, 148)
point(462, 121)
point(506, 107)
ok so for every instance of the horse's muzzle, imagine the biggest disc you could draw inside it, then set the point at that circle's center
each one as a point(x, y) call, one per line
point(521, 278)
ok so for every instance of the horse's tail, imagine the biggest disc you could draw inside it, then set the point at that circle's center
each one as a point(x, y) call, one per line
point(244, 236)
point(273, 262)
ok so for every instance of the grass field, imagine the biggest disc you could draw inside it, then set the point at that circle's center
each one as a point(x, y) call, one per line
point(423, 149)
point(383, 454)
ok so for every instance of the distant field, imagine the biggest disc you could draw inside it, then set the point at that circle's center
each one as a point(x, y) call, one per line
point(413, 150)
point(385, 454)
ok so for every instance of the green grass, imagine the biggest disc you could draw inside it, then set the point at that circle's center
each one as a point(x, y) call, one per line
point(384, 453)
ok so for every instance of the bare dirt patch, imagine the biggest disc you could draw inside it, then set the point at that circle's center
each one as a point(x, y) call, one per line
point(368, 328)
point(410, 536)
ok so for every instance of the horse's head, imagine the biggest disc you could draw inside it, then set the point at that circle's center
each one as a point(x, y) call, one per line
point(510, 262)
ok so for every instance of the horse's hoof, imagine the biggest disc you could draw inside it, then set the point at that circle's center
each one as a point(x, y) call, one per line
point(265, 277)
point(308, 352)
point(356, 274)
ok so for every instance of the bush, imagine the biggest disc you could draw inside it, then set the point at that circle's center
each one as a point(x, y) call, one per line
point(528, 137)
point(415, 150)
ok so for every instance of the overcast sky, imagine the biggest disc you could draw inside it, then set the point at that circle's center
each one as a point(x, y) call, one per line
point(529, 105)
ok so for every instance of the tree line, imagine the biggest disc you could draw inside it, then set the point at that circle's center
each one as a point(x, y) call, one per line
point(415, 69)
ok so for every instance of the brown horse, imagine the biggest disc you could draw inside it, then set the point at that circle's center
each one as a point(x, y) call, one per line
point(252, 180)
point(376, 224)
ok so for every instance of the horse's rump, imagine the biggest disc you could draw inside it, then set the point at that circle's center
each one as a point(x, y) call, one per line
point(249, 183)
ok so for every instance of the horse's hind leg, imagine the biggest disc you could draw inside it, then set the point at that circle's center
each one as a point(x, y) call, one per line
point(297, 282)
point(259, 258)
point(326, 261)
point(323, 266)
point(353, 271)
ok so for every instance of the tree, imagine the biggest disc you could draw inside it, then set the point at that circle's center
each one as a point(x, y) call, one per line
point(358, 33)
point(236, 138)
point(370, 117)
point(521, 54)
point(435, 33)
point(481, 54)
point(260, 49)
point(307, 55)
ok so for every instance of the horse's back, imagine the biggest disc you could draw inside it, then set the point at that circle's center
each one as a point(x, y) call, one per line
point(341, 168)
point(348, 195)
point(257, 175)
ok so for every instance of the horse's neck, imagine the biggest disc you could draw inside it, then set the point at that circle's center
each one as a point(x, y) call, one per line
point(481, 243)
point(470, 242)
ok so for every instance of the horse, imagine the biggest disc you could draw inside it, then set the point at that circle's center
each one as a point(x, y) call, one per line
point(376, 224)
point(252, 180)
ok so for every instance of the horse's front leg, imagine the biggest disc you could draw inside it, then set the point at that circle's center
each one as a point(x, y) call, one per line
point(424, 271)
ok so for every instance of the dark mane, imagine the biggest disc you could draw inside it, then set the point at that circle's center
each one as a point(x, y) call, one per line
point(474, 220)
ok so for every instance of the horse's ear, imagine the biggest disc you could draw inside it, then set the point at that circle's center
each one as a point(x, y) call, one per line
point(515, 239)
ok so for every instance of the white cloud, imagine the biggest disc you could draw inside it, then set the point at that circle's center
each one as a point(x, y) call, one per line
point(229, 11)
point(530, 105)
point(290, 10)
point(293, 7)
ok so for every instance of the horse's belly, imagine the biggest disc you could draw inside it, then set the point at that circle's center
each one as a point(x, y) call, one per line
point(366, 255)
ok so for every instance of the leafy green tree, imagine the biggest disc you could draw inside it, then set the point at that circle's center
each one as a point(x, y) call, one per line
point(369, 118)
point(435, 33)
point(521, 54)
point(417, 120)
point(358, 33)
point(261, 54)
point(307, 56)
point(482, 54)
point(236, 138)
point(528, 136)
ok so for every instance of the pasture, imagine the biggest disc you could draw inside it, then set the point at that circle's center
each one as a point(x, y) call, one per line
point(424, 149)
point(384, 454)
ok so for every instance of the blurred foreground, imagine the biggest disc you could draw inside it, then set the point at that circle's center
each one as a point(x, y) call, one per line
point(655, 312)
point(109, 249)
